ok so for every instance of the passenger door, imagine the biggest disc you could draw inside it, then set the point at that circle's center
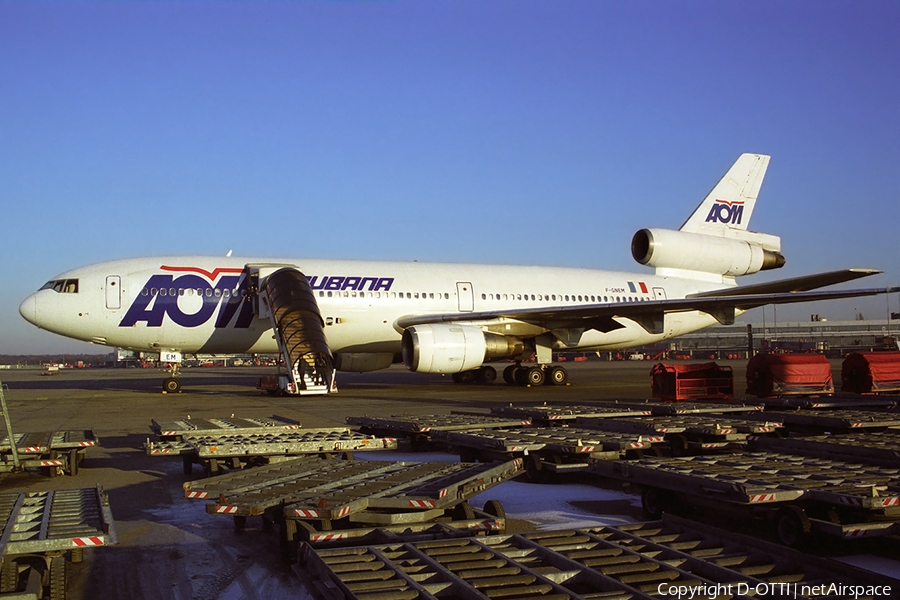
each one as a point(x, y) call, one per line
point(466, 296)
point(113, 292)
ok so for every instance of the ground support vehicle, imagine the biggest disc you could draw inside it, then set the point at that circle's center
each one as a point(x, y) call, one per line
point(546, 451)
point(175, 430)
point(871, 447)
point(57, 451)
point(798, 493)
point(328, 494)
point(811, 422)
point(418, 428)
point(239, 448)
point(636, 561)
point(40, 529)
point(690, 432)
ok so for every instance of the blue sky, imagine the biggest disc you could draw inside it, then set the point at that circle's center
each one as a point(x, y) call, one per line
point(518, 132)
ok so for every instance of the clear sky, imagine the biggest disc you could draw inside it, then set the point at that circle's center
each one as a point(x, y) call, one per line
point(517, 132)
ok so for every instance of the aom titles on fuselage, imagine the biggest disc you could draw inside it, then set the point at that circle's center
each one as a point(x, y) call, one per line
point(439, 318)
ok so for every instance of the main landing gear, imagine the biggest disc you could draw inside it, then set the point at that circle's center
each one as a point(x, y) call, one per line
point(517, 375)
point(537, 375)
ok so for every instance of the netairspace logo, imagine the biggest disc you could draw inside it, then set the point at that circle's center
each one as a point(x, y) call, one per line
point(787, 590)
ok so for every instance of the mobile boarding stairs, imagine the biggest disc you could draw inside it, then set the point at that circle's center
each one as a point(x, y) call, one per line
point(283, 294)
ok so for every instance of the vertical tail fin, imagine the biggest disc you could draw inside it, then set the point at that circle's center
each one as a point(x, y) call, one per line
point(729, 206)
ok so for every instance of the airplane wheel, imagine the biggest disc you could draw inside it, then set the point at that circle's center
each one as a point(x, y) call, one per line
point(535, 376)
point(558, 375)
point(509, 374)
point(486, 375)
point(464, 377)
point(172, 385)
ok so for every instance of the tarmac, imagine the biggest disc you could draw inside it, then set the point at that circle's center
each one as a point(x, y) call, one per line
point(169, 548)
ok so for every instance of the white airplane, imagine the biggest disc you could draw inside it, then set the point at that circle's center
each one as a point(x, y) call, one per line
point(440, 318)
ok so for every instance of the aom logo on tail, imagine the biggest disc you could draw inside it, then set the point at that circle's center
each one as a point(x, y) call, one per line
point(723, 211)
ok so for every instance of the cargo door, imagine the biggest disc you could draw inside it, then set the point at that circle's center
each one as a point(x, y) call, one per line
point(466, 296)
point(113, 292)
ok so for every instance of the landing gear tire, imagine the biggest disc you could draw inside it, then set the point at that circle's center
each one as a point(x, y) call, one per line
point(534, 376)
point(463, 377)
point(558, 375)
point(486, 375)
point(509, 374)
point(171, 385)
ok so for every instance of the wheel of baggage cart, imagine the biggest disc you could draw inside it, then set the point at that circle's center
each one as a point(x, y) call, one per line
point(240, 521)
point(534, 471)
point(792, 526)
point(655, 501)
point(73, 462)
point(9, 575)
point(678, 444)
point(171, 385)
point(463, 511)
point(493, 507)
point(58, 578)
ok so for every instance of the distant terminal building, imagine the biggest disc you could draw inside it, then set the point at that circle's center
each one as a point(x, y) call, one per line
point(832, 338)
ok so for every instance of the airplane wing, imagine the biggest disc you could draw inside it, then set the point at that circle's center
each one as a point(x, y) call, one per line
point(720, 304)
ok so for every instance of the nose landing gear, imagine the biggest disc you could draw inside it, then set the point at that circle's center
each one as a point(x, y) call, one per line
point(172, 385)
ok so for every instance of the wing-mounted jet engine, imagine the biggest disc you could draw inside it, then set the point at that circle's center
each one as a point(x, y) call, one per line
point(283, 294)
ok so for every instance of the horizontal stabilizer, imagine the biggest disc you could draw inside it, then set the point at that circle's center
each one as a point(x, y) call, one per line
point(795, 284)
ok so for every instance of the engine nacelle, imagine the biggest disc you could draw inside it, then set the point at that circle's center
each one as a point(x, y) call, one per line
point(663, 248)
point(362, 362)
point(447, 348)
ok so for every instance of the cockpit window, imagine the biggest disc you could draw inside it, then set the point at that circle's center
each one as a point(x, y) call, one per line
point(62, 286)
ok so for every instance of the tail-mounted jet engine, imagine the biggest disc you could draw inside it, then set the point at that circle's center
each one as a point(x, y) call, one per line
point(454, 348)
point(729, 256)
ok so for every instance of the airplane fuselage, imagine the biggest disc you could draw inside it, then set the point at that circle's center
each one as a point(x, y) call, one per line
point(197, 304)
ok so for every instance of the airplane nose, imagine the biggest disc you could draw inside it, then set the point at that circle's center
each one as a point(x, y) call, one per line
point(28, 310)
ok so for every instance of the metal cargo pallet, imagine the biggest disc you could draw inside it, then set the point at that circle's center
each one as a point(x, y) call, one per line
point(872, 447)
point(682, 408)
point(51, 524)
point(835, 497)
point(327, 490)
point(235, 449)
point(849, 402)
point(547, 450)
point(418, 428)
point(480, 523)
point(701, 548)
point(557, 565)
point(690, 431)
point(555, 415)
point(176, 429)
point(58, 451)
point(831, 420)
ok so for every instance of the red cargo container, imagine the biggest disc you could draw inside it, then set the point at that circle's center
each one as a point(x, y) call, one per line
point(771, 375)
point(673, 383)
point(871, 373)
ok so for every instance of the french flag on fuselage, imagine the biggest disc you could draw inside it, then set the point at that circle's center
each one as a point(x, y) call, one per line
point(642, 285)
